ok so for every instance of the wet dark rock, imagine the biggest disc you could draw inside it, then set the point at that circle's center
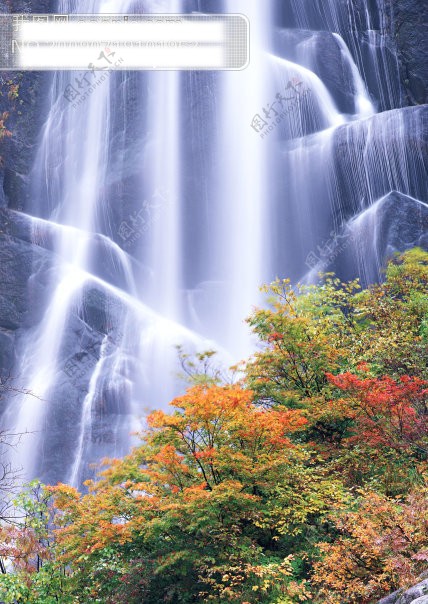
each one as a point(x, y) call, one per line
point(27, 271)
point(24, 273)
point(25, 116)
point(394, 224)
point(326, 61)
point(409, 27)
point(7, 351)
point(397, 138)
point(15, 270)
point(418, 594)
point(26, 111)
point(391, 599)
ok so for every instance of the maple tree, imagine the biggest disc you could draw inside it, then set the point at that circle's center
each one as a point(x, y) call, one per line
point(382, 546)
point(207, 505)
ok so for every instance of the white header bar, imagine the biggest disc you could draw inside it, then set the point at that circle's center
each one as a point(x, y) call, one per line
point(207, 57)
point(137, 42)
point(71, 31)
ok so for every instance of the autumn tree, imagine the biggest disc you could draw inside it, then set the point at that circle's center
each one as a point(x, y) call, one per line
point(386, 412)
point(394, 315)
point(303, 335)
point(382, 546)
point(214, 506)
point(33, 576)
point(311, 331)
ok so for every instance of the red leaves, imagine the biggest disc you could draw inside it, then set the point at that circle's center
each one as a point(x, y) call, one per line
point(22, 546)
point(208, 453)
point(275, 336)
point(387, 412)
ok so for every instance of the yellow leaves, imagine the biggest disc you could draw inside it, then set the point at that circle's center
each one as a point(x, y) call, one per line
point(214, 432)
point(206, 403)
point(13, 92)
point(65, 493)
point(242, 581)
point(4, 132)
point(156, 419)
point(212, 457)
point(190, 493)
point(376, 550)
point(207, 454)
point(232, 479)
point(168, 456)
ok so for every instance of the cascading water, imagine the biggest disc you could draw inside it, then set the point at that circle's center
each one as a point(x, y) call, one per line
point(167, 198)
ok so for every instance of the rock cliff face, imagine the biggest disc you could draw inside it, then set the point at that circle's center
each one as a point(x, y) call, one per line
point(20, 259)
point(409, 29)
point(23, 103)
point(27, 267)
point(398, 27)
point(23, 96)
point(418, 594)
point(23, 108)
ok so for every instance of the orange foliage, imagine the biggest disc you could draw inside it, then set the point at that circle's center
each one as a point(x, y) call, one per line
point(387, 412)
point(383, 545)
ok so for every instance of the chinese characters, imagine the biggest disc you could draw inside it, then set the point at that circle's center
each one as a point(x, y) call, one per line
point(137, 223)
point(85, 83)
point(329, 251)
point(274, 112)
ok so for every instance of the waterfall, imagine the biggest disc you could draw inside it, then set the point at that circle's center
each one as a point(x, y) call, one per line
point(165, 199)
